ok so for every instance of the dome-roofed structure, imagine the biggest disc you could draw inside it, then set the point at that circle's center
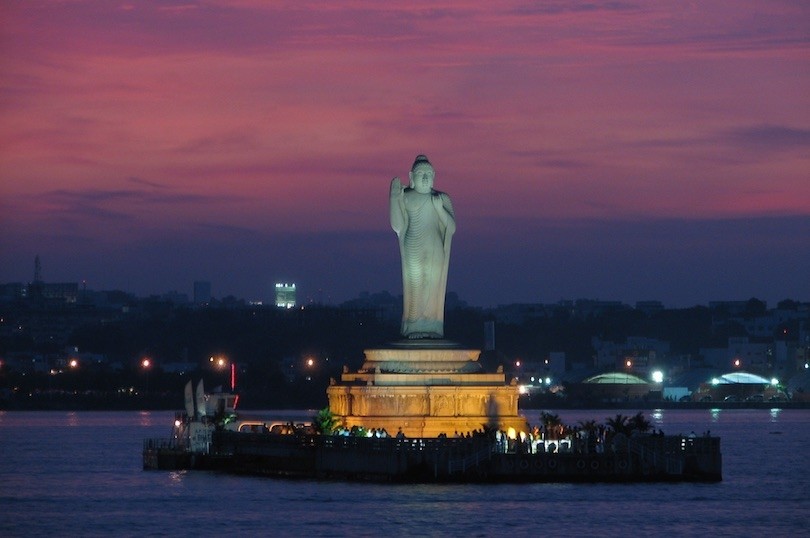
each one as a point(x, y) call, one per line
point(610, 387)
point(616, 378)
point(740, 377)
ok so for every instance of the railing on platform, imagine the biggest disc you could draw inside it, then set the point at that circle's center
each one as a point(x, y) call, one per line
point(160, 444)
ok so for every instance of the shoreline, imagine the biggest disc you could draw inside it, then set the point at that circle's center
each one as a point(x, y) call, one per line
point(169, 404)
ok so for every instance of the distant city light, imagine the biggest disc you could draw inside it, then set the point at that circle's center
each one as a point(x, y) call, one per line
point(74, 363)
point(548, 381)
point(628, 363)
point(146, 363)
point(737, 363)
point(517, 363)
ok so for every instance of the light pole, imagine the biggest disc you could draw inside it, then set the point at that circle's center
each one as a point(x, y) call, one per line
point(146, 365)
point(220, 363)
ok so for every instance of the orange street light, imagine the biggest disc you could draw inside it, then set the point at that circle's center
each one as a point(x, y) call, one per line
point(219, 361)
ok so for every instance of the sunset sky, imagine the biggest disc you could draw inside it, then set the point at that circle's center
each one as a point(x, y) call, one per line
point(606, 150)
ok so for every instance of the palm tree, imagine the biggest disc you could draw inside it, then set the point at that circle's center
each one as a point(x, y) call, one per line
point(552, 424)
point(589, 427)
point(550, 419)
point(618, 424)
point(639, 422)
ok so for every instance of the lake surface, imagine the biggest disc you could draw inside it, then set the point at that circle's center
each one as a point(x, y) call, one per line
point(80, 474)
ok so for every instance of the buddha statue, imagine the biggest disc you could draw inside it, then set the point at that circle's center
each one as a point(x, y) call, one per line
point(423, 220)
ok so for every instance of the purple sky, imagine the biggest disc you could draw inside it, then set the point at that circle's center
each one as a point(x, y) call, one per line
point(612, 150)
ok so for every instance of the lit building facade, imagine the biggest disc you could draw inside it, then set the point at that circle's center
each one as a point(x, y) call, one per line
point(285, 295)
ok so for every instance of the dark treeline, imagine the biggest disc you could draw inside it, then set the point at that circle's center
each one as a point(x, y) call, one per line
point(285, 358)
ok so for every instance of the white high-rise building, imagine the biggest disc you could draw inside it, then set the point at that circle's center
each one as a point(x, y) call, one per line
point(285, 295)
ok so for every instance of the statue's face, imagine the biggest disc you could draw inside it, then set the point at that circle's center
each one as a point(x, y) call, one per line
point(422, 178)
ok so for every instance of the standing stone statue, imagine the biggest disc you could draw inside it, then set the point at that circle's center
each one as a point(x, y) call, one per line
point(424, 223)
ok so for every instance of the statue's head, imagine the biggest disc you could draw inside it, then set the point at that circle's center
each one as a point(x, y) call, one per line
point(422, 175)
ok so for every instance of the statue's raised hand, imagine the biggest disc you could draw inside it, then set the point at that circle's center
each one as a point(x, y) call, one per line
point(396, 187)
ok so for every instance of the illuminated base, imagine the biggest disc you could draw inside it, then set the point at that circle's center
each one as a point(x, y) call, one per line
point(425, 391)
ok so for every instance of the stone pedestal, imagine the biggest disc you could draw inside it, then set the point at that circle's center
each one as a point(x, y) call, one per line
point(425, 388)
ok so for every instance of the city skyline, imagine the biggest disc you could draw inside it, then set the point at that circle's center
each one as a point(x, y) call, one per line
point(626, 151)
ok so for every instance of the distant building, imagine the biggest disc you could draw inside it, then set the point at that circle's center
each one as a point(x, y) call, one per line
point(741, 353)
point(650, 307)
point(636, 354)
point(285, 295)
point(202, 292)
point(12, 291)
point(67, 292)
point(175, 297)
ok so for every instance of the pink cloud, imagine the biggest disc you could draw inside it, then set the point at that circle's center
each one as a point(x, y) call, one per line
point(286, 116)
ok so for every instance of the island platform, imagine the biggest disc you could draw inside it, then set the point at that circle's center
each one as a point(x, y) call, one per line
point(642, 458)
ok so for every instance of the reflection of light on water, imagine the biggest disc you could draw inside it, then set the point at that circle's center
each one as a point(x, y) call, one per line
point(73, 419)
point(715, 415)
point(146, 418)
point(176, 477)
point(775, 414)
point(658, 416)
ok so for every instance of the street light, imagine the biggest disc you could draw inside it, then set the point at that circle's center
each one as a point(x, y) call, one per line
point(218, 362)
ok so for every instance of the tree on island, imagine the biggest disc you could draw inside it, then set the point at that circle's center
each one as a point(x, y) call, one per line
point(639, 423)
point(618, 424)
point(552, 423)
point(324, 421)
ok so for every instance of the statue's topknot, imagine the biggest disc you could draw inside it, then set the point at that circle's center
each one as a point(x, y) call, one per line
point(420, 159)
